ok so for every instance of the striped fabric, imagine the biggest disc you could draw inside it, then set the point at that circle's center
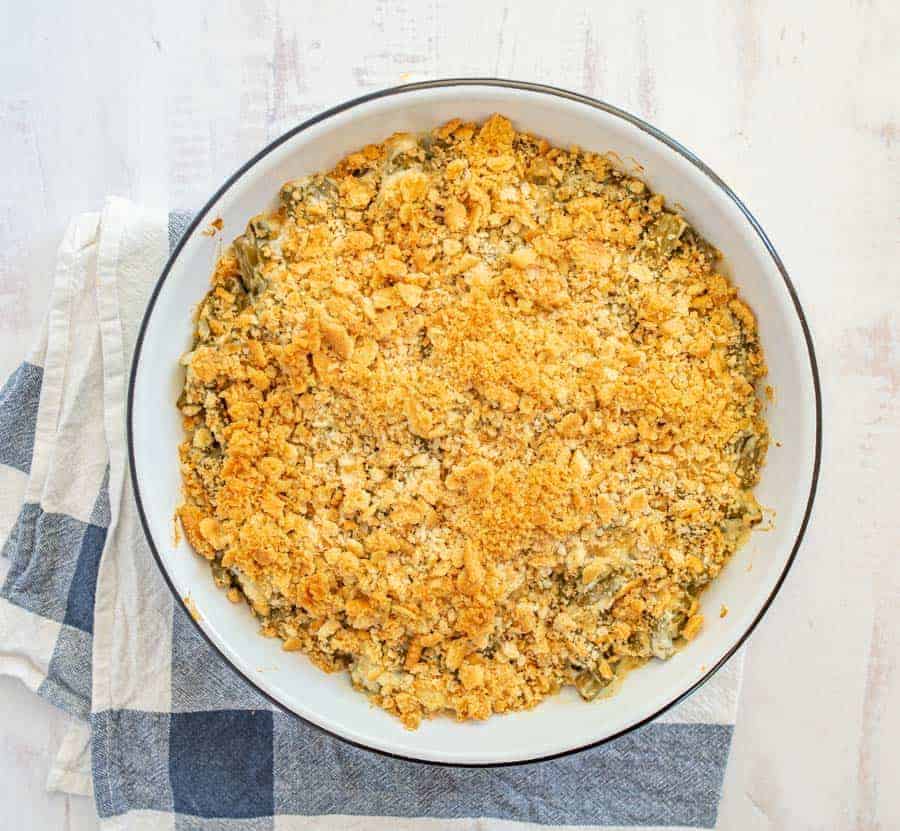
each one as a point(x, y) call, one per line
point(175, 739)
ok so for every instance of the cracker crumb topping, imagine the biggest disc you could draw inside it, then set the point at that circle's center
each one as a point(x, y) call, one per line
point(473, 418)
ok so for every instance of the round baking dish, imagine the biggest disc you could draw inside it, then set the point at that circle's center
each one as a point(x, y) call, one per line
point(748, 584)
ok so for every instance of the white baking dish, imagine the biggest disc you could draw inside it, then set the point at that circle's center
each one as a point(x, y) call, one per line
point(747, 585)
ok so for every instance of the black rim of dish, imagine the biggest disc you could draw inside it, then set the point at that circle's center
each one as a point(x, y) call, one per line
point(529, 87)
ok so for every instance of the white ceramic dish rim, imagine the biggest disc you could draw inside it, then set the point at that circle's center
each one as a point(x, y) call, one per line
point(201, 217)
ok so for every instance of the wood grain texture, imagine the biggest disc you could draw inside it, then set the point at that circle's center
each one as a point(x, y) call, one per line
point(795, 105)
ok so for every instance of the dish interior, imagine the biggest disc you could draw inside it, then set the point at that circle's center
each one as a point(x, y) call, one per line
point(563, 722)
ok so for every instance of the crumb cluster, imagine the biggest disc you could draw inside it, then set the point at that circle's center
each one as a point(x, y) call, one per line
point(474, 418)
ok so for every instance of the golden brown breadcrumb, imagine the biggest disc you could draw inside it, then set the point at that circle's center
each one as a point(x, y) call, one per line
point(473, 417)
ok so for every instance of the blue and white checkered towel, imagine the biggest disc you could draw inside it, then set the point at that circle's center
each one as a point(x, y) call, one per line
point(164, 734)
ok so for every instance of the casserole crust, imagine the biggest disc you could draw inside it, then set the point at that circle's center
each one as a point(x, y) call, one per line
point(474, 418)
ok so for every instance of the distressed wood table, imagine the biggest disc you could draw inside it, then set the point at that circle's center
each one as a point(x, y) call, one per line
point(794, 104)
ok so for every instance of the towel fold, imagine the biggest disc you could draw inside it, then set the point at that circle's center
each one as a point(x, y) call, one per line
point(164, 734)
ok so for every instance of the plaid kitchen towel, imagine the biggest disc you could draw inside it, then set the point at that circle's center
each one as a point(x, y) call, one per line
point(163, 733)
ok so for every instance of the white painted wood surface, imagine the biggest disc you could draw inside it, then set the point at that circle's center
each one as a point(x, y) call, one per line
point(794, 104)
